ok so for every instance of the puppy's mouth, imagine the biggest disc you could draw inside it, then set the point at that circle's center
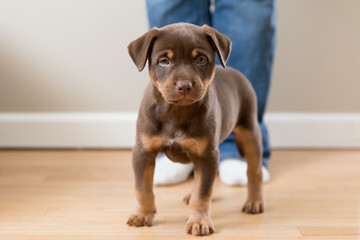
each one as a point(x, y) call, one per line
point(182, 101)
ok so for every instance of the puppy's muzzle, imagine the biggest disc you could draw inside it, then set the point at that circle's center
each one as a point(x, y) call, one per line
point(183, 87)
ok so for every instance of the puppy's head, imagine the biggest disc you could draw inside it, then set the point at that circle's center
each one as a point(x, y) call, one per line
point(181, 59)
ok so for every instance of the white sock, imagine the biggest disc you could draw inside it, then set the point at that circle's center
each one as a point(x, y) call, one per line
point(233, 172)
point(168, 172)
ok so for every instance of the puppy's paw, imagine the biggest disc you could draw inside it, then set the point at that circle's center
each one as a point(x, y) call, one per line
point(200, 225)
point(253, 207)
point(139, 220)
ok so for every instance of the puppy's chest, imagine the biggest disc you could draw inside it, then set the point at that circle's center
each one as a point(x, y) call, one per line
point(174, 142)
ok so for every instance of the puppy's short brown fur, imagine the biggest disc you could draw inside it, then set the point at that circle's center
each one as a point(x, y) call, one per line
point(188, 109)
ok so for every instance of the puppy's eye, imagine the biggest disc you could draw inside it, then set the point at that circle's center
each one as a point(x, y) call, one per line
point(201, 60)
point(164, 62)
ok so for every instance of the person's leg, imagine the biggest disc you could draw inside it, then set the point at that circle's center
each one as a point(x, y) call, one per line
point(164, 12)
point(161, 13)
point(250, 24)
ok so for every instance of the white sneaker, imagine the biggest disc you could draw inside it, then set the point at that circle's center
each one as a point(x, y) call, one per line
point(233, 172)
point(168, 172)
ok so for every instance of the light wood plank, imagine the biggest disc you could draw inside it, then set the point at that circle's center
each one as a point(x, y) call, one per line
point(330, 230)
point(89, 195)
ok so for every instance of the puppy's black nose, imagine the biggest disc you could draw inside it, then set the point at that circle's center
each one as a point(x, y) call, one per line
point(183, 87)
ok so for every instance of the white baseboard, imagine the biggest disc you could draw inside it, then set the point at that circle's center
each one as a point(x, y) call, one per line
point(314, 130)
point(67, 130)
point(117, 130)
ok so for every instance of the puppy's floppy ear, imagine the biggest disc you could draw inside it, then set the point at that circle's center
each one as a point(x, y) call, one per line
point(139, 49)
point(221, 43)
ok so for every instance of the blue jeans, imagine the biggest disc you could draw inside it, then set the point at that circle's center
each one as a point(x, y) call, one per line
point(250, 24)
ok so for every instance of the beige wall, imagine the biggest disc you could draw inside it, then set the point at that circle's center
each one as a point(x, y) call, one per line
point(317, 64)
point(70, 55)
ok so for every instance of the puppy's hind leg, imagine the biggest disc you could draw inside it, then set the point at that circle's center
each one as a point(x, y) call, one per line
point(250, 141)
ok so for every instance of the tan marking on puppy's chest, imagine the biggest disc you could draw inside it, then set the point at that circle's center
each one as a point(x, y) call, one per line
point(195, 145)
point(152, 143)
point(155, 143)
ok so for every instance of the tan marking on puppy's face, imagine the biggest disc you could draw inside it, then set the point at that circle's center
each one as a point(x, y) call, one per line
point(151, 74)
point(159, 85)
point(207, 81)
point(194, 53)
point(170, 54)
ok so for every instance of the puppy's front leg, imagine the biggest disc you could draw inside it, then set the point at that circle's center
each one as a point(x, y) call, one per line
point(199, 221)
point(143, 165)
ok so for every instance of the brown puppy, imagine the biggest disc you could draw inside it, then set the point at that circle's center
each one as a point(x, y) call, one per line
point(190, 107)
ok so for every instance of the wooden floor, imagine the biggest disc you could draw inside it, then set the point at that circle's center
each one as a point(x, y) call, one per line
point(89, 195)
